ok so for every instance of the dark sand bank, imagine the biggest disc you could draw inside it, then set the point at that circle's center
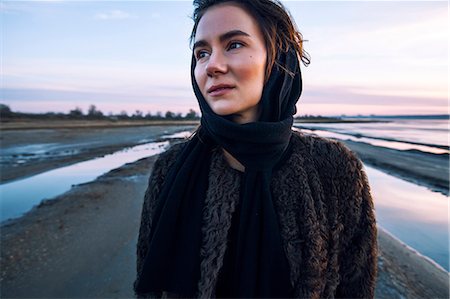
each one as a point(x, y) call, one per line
point(29, 152)
point(425, 169)
point(403, 273)
point(82, 244)
point(33, 124)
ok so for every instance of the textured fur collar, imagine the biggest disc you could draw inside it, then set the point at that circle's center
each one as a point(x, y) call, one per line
point(325, 212)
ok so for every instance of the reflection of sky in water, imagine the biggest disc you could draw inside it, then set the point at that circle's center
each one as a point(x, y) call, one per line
point(20, 196)
point(413, 214)
point(28, 153)
point(421, 131)
point(36, 149)
point(377, 142)
point(44, 148)
point(184, 134)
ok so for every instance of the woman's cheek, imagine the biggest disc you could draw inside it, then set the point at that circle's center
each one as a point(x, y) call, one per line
point(200, 78)
point(252, 68)
point(251, 78)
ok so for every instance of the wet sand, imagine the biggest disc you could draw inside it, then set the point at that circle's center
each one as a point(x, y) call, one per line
point(28, 152)
point(424, 169)
point(82, 243)
point(33, 124)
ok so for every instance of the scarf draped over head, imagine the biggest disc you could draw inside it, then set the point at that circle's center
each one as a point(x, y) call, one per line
point(260, 267)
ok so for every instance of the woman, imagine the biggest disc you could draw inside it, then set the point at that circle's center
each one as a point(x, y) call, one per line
point(247, 207)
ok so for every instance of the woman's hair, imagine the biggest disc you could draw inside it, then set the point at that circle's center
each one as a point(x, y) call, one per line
point(277, 26)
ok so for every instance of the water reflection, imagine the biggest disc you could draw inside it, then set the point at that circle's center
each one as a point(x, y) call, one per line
point(20, 196)
point(179, 135)
point(377, 142)
point(424, 131)
point(413, 214)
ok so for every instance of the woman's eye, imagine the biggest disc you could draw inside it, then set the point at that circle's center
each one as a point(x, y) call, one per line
point(236, 45)
point(201, 54)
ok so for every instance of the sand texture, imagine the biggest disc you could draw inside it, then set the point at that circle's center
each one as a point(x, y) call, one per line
point(425, 169)
point(29, 152)
point(32, 124)
point(82, 245)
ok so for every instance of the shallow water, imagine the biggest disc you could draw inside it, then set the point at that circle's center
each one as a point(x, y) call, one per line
point(377, 142)
point(414, 214)
point(20, 196)
point(27, 153)
point(25, 147)
point(424, 135)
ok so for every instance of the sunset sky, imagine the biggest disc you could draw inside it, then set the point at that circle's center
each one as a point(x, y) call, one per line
point(371, 57)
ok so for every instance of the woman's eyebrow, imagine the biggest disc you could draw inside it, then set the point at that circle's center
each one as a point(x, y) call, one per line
point(223, 37)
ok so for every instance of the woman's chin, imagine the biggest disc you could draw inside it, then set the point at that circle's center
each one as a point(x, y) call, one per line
point(223, 111)
point(235, 114)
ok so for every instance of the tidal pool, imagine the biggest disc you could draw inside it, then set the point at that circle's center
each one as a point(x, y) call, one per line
point(413, 214)
point(19, 196)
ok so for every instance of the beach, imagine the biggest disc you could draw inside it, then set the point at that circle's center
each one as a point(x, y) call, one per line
point(424, 169)
point(32, 148)
point(82, 243)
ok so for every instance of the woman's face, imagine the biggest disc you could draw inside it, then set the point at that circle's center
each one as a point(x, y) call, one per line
point(230, 58)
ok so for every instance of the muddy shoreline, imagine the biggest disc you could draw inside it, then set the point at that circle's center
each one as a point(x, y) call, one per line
point(30, 152)
point(77, 145)
point(82, 244)
point(424, 169)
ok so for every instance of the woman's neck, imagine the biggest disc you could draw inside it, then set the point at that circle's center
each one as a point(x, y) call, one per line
point(248, 116)
point(233, 162)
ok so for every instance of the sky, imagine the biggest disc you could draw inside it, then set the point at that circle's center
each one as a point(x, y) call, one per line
point(367, 57)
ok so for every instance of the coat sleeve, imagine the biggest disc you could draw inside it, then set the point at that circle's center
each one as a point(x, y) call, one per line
point(155, 183)
point(358, 263)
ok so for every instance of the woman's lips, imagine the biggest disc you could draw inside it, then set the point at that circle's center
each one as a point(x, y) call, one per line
point(220, 91)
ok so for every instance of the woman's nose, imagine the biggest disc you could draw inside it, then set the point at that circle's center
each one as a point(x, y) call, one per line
point(216, 64)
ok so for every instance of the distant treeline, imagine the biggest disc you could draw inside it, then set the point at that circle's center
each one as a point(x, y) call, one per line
point(94, 114)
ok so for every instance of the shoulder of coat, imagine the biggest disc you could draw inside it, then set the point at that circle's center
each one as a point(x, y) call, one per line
point(168, 157)
point(326, 151)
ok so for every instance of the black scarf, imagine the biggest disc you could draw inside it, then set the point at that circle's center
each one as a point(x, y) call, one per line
point(261, 268)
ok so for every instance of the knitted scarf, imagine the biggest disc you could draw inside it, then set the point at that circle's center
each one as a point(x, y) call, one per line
point(260, 267)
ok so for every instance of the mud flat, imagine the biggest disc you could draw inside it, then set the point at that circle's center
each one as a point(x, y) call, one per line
point(82, 244)
point(425, 169)
point(33, 124)
point(26, 152)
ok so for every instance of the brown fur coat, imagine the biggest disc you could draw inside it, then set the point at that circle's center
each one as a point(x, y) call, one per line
point(325, 212)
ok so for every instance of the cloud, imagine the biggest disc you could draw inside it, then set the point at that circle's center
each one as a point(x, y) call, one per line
point(98, 76)
point(28, 7)
point(366, 96)
point(317, 101)
point(114, 15)
point(44, 100)
point(408, 52)
point(155, 15)
point(349, 100)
